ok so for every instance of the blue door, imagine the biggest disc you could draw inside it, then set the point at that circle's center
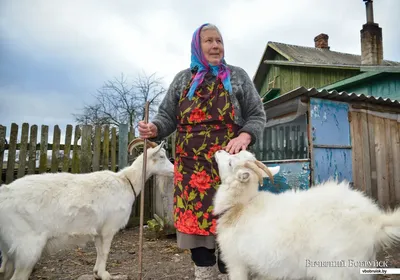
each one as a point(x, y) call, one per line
point(331, 152)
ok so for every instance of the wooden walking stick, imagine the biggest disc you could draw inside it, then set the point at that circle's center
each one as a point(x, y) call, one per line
point(146, 119)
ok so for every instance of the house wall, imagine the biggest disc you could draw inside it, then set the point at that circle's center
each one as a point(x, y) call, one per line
point(288, 78)
point(387, 86)
point(272, 78)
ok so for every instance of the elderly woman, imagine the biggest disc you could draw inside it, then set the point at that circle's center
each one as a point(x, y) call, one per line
point(212, 106)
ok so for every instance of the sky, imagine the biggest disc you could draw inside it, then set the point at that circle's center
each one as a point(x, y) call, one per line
point(55, 54)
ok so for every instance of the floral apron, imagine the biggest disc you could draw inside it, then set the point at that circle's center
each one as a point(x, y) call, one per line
point(205, 125)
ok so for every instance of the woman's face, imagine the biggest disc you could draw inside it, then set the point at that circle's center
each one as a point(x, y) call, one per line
point(211, 45)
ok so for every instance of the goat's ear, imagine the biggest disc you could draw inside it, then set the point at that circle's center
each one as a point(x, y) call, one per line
point(243, 175)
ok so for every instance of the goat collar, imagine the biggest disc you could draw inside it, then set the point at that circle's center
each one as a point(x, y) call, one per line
point(230, 208)
point(133, 189)
point(219, 216)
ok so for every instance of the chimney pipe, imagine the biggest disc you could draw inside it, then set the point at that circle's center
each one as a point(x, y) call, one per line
point(371, 39)
point(369, 11)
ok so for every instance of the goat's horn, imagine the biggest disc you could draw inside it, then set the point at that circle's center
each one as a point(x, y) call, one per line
point(265, 168)
point(254, 167)
point(139, 141)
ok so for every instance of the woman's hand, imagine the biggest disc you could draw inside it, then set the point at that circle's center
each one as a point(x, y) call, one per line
point(239, 143)
point(147, 130)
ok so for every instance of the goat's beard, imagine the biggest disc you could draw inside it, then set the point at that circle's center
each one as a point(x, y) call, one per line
point(162, 182)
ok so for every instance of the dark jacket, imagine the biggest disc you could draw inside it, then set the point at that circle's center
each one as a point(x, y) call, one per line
point(248, 108)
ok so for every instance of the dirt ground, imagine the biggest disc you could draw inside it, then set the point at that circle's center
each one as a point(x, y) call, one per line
point(161, 260)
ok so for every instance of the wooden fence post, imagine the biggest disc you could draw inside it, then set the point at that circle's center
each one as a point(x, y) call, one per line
point(96, 148)
point(3, 131)
point(23, 150)
point(113, 149)
point(32, 149)
point(43, 148)
point(67, 149)
point(56, 149)
point(106, 148)
point(12, 148)
point(123, 146)
point(76, 153)
point(86, 156)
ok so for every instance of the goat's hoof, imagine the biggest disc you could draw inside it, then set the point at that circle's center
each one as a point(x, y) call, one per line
point(104, 276)
point(95, 275)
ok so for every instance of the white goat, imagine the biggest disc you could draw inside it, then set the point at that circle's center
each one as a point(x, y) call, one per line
point(53, 211)
point(328, 232)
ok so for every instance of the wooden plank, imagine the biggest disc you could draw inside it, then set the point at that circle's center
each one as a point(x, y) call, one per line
point(67, 149)
point(381, 165)
point(303, 148)
point(86, 155)
point(288, 154)
point(365, 154)
point(389, 163)
point(32, 149)
point(274, 135)
point(106, 148)
point(357, 142)
point(295, 132)
point(43, 148)
point(23, 150)
point(372, 154)
point(395, 131)
point(281, 143)
point(56, 149)
point(3, 131)
point(113, 149)
point(122, 146)
point(96, 148)
point(268, 144)
point(310, 144)
point(12, 153)
point(76, 152)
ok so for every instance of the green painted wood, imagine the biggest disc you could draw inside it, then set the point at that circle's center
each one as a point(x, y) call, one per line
point(32, 149)
point(106, 148)
point(56, 149)
point(23, 150)
point(96, 148)
point(385, 85)
point(113, 149)
point(122, 146)
point(44, 135)
point(67, 149)
point(3, 131)
point(76, 152)
point(86, 149)
point(288, 78)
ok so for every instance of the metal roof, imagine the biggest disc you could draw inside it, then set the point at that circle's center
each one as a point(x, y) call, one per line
point(320, 56)
point(332, 95)
point(309, 57)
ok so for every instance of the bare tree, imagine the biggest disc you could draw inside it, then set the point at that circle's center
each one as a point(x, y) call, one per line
point(119, 101)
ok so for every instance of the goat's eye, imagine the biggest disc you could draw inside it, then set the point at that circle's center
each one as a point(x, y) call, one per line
point(230, 163)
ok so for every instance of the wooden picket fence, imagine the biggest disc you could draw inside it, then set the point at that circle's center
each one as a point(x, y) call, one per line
point(86, 149)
